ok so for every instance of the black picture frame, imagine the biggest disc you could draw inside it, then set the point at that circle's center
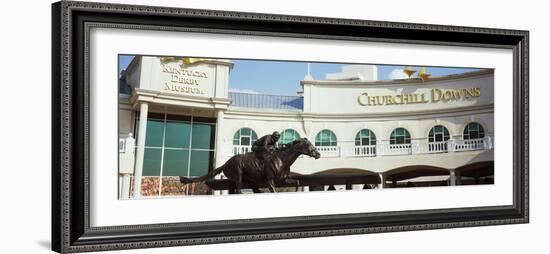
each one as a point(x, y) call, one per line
point(71, 22)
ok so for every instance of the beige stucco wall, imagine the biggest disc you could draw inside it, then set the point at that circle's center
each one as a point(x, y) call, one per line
point(328, 97)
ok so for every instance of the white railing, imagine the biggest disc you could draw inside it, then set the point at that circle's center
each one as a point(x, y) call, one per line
point(459, 145)
point(397, 149)
point(364, 151)
point(438, 147)
point(329, 151)
point(418, 146)
point(241, 149)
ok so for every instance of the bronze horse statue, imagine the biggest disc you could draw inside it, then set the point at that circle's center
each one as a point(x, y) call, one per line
point(275, 168)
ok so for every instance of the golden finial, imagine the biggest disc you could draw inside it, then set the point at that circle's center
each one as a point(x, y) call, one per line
point(168, 59)
point(184, 60)
point(422, 74)
point(190, 60)
point(409, 71)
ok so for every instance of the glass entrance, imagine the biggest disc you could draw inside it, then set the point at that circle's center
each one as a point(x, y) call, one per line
point(177, 146)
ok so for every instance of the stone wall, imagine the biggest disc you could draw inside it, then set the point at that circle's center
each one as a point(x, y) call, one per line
point(171, 186)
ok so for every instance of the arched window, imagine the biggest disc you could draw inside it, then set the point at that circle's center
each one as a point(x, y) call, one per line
point(288, 136)
point(473, 131)
point(400, 136)
point(244, 137)
point(438, 134)
point(325, 138)
point(365, 137)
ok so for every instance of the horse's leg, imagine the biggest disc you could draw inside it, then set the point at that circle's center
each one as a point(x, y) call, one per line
point(254, 186)
point(231, 186)
point(271, 185)
point(238, 184)
point(269, 171)
point(238, 181)
point(294, 182)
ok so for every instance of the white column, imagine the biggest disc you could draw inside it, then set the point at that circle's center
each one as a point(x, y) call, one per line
point(452, 178)
point(380, 148)
point(451, 145)
point(419, 146)
point(306, 188)
point(120, 189)
point(382, 180)
point(125, 186)
point(219, 144)
point(223, 192)
point(138, 172)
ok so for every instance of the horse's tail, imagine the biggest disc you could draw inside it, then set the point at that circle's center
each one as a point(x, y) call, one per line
point(210, 175)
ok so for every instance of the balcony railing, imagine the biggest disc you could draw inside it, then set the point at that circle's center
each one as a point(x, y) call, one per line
point(241, 149)
point(438, 147)
point(471, 144)
point(349, 149)
point(364, 151)
point(329, 151)
point(396, 149)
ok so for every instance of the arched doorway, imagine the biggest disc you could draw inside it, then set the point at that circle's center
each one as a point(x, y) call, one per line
point(340, 179)
point(416, 176)
point(476, 173)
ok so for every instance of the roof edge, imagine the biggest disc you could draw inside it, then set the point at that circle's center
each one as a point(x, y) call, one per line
point(401, 81)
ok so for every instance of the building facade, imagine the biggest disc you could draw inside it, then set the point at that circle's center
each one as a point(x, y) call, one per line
point(177, 117)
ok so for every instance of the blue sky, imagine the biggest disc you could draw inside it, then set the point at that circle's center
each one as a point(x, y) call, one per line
point(283, 78)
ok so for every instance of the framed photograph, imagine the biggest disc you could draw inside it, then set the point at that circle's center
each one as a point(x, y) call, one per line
point(182, 126)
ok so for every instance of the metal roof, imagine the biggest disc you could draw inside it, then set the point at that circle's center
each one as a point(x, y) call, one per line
point(267, 101)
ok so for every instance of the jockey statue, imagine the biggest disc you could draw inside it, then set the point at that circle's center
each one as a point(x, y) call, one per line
point(265, 144)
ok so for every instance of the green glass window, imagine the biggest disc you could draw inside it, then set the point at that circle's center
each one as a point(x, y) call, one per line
point(203, 136)
point(200, 162)
point(175, 162)
point(151, 161)
point(473, 131)
point(288, 136)
point(365, 137)
point(400, 136)
point(325, 138)
point(179, 146)
point(154, 133)
point(438, 134)
point(244, 137)
point(177, 134)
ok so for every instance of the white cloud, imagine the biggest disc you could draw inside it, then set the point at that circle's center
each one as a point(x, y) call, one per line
point(236, 90)
point(397, 74)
